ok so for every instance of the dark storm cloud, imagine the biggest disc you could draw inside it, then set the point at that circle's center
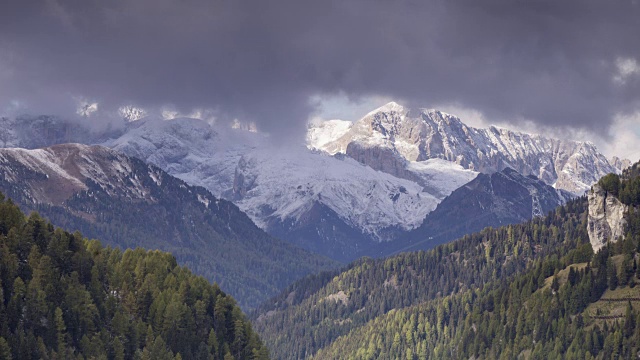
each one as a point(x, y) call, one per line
point(548, 61)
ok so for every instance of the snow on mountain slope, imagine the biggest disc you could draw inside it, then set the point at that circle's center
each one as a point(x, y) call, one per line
point(190, 149)
point(275, 186)
point(324, 132)
point(67, 169)
point(418, 135)
point(436, 174)
point(290, 182)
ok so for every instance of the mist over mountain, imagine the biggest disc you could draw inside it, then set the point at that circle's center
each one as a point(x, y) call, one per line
point(360, 186)
point(465, 162)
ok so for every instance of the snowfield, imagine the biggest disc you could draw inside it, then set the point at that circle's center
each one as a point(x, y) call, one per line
point(435, 153)
point(273, 183)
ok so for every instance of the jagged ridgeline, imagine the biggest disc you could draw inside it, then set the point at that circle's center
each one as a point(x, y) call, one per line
point(531, 291)
point(64, 297)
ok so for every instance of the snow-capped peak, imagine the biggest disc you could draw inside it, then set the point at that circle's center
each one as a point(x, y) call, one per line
point(429, 133)
point(389, 107)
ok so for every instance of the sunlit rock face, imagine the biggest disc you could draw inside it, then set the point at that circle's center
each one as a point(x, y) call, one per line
point(606, 218)
point(423, 134)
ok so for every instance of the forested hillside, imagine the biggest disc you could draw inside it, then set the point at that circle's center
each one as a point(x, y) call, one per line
point(126, 203)
point(65, 297)
point(534, 289)
point(317, 310)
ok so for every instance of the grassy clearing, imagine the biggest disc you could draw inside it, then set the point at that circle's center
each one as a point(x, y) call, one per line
point(609, 308)
point(563, 275)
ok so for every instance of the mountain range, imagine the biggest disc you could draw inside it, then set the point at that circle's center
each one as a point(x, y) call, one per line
point(397, 180)
point(394, 133)
point(329, 204)
point(355, 189)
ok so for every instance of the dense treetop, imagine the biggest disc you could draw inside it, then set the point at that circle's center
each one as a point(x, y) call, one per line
point(64, 297)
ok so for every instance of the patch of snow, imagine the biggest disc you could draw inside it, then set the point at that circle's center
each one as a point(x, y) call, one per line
point(155, 178)
point(203, 200)
point(441, 174)
point(325, 132)
point(43, 161)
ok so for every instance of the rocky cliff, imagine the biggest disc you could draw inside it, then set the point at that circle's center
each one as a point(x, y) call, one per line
point(422, 134)
point(606, 218)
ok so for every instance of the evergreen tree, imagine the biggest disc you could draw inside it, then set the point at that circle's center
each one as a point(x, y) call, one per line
point(64, 297)
point(5, 351)
point(612, 275)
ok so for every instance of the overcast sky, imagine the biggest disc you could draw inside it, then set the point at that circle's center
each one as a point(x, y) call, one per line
point(570, 65)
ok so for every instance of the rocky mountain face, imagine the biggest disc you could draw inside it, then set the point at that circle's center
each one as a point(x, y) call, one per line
point(53, 175)
point(362, 185)
point(498, 199)
point(606, 220)
point(621, 164)
point(391, 133)
point(128, 203)
point(333, 205)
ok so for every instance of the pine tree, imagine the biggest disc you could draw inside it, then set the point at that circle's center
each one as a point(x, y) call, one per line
point(555, 284)
point(612, 275)
point(5, 351)
point(61, 331)
point(118, 349)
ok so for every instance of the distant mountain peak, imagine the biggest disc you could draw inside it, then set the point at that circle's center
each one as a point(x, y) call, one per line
point(430, 133)
point(391, 106)
point(504, 197)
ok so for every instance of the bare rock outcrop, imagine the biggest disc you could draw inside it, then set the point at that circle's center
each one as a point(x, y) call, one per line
point(422, 134)
point(382, 159)
point(606, 218)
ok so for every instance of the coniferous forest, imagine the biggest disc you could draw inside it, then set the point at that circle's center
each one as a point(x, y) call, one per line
point(65, 297)
point(319, 180)
point(532, 291)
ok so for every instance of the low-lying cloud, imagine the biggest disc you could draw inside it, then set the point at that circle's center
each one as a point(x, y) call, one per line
point(557, 63)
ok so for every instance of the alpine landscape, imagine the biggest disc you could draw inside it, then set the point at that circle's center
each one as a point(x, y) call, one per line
point(328, 180)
